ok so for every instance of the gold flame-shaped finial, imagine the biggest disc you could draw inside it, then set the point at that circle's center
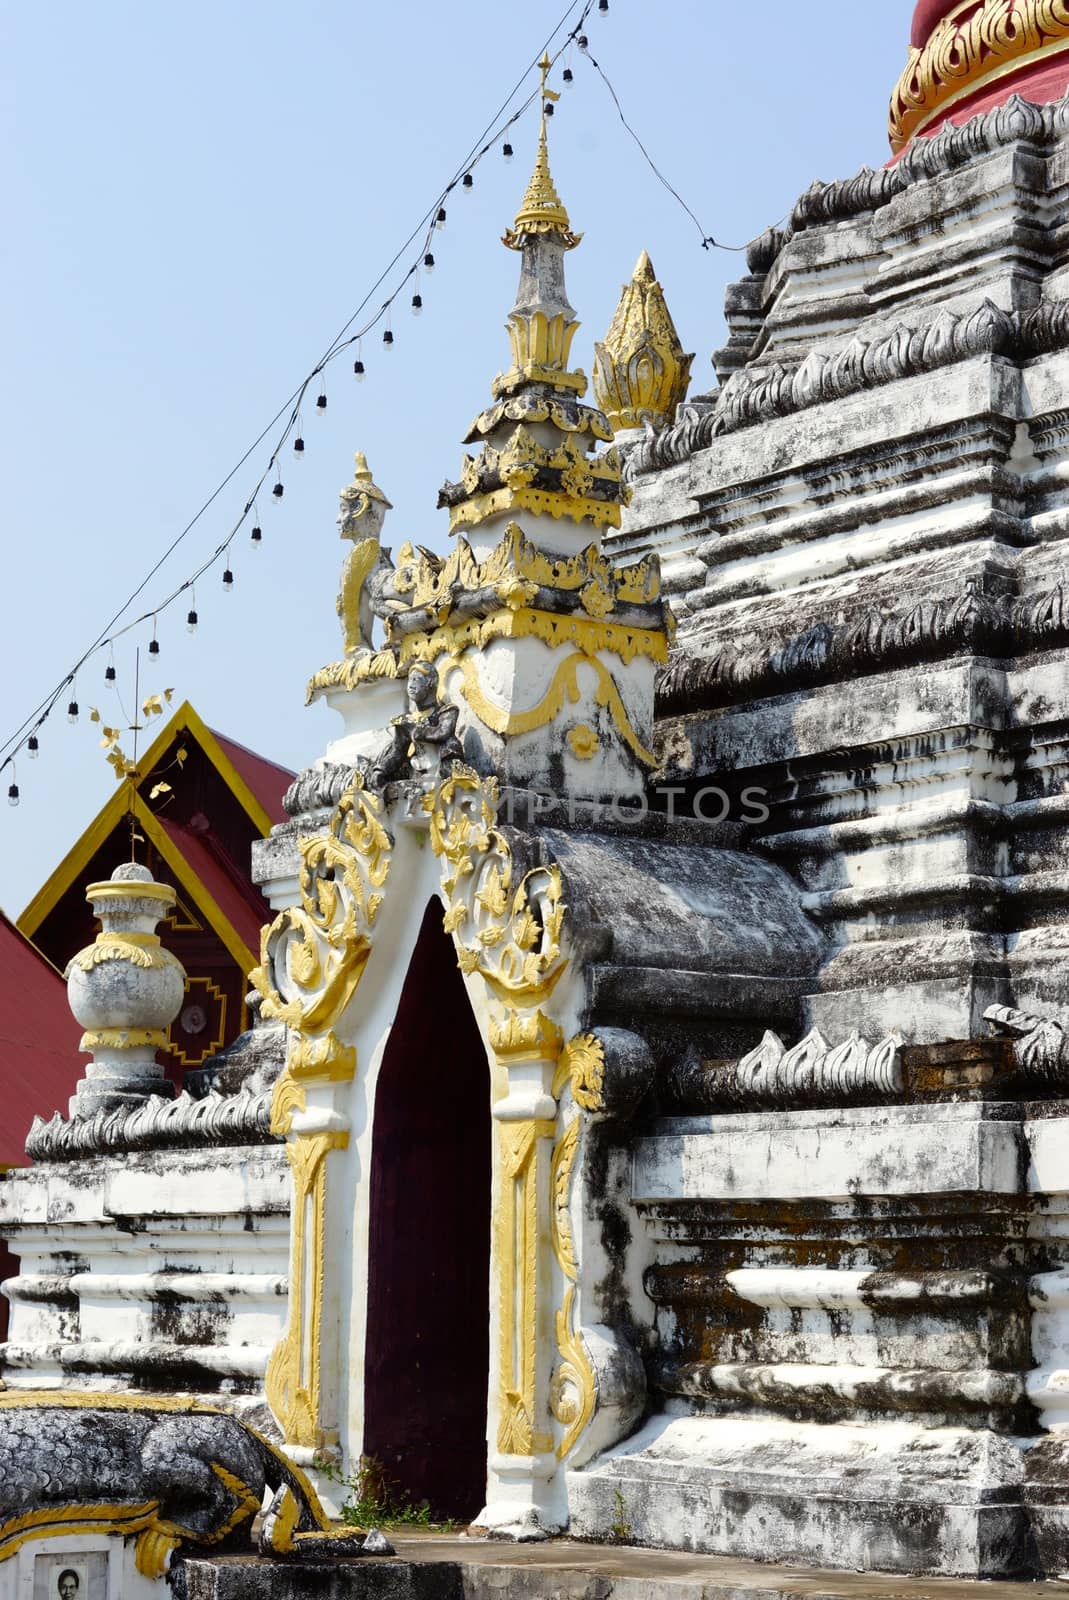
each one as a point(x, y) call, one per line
point(641, 371)
point(541, 209)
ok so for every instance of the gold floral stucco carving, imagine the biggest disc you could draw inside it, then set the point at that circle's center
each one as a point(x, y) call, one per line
point(517, 1229)
point(640, 370)
point(293, 1379)
point(317, 952)
point(319, 949)
point(573, 1388)
point(507, 931)
point(137, 949)
point(974, 44)
point(508, 926)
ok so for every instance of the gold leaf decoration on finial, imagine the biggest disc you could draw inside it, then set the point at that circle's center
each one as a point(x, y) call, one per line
point(641, 372)
point(542, 210)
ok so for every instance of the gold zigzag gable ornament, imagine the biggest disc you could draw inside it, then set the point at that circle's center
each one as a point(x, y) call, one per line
point(317, 953)
point(973, 45)
point(640, 370)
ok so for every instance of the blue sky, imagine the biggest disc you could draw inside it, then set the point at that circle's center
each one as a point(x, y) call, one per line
point(199, 196)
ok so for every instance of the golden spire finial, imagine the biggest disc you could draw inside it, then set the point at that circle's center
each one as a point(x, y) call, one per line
point(641, 371)
point(541, 209)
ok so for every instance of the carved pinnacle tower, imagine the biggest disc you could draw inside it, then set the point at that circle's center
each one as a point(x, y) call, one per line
point(538, 440)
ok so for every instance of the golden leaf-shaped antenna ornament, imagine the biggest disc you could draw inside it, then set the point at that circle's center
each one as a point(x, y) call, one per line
point(641, 372)
point(158, 789)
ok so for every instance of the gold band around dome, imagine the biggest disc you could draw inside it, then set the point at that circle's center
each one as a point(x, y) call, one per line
point(971, 47)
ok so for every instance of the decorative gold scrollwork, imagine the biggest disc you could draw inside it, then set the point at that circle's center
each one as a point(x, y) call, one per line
point(573, 1388)
point(313, 957)
point(972, 45)
point(316, 952)
point(507, 931)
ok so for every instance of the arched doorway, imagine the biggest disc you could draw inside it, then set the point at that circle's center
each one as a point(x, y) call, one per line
point(427, 1351)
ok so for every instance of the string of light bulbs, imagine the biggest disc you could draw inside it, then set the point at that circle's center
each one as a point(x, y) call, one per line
point(290, 413)
point(433, 220)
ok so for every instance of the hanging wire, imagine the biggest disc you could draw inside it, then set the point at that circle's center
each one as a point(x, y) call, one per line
point(708, 242)
point(342, 340)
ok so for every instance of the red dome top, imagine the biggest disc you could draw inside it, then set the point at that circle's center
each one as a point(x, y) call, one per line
point(970, 55)
point(925, 16)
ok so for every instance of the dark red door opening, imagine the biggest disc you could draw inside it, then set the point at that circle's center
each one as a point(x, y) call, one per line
point(428, 1351)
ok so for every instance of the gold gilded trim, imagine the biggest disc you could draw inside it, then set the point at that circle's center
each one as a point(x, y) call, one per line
point(293, 1379)
point(507, 932)
point(317, 951)
point(123, 1039)
point(517, 1230)
point(573, 1387)
point(534, 1038)
point(588, 635)
point(131, 889)
point(136, 949)
point(564, 685)
point(970, 47)
point(517, 565)
point(582, 1064)
point(542, 502)
point(48, 1521)
point(583, 742)
point(347, 674)
point(320, 948)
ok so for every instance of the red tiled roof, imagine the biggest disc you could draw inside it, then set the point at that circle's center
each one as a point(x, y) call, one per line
point(39, 1059)
point(266, 779)
point(244, 910)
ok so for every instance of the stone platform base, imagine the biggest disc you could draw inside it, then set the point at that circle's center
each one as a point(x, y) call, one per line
point(893, 1498)
point(456, 1568)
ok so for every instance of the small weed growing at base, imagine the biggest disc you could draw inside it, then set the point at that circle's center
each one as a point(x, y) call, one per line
point(378, 1502)
point(620, 1529)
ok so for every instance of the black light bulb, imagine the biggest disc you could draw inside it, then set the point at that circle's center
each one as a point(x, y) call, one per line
point(603, 7)
point(387, 338)
point(582, 41)
point(72, 711)
point(547, 107)
point(228, 580)
point(467, 181)
point(255, 537)
point(154, 646)
point(358, 370)
point(507, 151)
point(567, 75)
point(417, 304)
point(278, 491)
point(428, 262)
point(321, 402)
point(191, 622)
point(32, 747)
point(13, 795)
point(439, 221)
point(298, 447)
point(109, 674)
